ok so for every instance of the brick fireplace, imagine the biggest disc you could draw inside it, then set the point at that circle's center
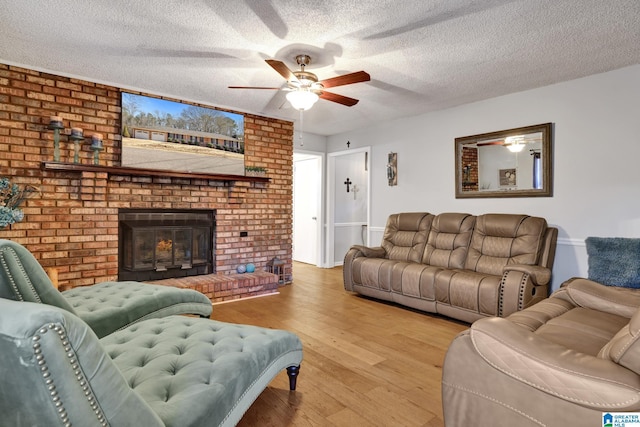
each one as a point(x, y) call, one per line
point(155, 244)
point(73, 224)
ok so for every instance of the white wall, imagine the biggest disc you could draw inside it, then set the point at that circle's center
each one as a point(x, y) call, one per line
point(310, 142)
point(596, 156)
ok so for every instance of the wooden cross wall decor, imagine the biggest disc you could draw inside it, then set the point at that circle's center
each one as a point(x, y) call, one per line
point(348, 183)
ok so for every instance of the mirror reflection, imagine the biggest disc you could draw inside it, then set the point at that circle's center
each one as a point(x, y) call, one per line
point(509, 163)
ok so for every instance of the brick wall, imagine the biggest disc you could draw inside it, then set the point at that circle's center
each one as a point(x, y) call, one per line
point(470, 160)
point(73, 224)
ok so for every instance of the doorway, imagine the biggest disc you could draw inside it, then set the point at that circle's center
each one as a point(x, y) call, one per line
point(348, 204)
point(307, 207)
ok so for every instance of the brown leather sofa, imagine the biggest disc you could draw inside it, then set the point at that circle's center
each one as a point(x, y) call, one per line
point(456, 264)
point(562, 362)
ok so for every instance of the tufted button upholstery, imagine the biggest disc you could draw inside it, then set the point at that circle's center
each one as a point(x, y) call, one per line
point(106, 306)
point(175, 371)
point(110, 306)
point(177, 364)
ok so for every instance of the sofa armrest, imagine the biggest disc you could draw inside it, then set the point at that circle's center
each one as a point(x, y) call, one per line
point(552, 368)
point(370, 252)
point(610, 299)
point(519, 288)
point(357, 251)
point(539, 275)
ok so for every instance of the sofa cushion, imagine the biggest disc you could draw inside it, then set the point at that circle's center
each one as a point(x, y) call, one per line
point(405, 235)
point(448, 240)
point(614, 261)
point(572, 317)
point(582, 329)
point(373, 272)
point(475, 292)
point(538, 314)
point(502, 239)
point(414, 280)
point(407, 278)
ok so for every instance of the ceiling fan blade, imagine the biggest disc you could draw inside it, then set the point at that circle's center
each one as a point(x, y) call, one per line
point(482, 144)
point(340, 99)
point(282, 69)
point(347, 79)
point(253, 87)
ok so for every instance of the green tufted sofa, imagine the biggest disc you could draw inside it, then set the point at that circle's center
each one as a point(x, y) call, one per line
point(175, 371)
point(106, 306)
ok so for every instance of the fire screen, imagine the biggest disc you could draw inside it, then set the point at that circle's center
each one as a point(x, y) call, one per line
point(165, 244)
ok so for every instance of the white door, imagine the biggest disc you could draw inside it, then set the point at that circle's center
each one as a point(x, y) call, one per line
point(349, 183)
point(307, 182)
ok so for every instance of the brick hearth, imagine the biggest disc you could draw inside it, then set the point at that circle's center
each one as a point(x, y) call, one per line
point(220, 288)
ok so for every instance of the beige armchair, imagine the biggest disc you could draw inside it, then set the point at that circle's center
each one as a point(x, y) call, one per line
point(561, 362)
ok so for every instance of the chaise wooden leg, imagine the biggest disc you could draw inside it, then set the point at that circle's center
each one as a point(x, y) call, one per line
point(292, 372)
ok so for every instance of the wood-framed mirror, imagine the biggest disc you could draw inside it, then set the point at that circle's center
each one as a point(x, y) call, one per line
point(508, 163)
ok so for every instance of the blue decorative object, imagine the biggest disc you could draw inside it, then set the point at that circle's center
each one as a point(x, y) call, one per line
point(251, 268)
point(55, 123)
point(97, 147)
point(76, 136)
point(241, 268)
point(614, 261)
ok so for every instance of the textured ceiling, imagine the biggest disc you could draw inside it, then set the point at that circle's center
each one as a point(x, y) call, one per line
point(422, 55)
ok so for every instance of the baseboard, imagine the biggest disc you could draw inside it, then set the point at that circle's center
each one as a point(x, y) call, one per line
point(246, 298)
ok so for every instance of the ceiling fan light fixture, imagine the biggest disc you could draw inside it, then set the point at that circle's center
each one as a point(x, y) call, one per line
point(515, 144)
point(302, 99)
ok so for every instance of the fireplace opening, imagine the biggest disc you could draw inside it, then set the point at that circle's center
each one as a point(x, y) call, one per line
point(162, 244)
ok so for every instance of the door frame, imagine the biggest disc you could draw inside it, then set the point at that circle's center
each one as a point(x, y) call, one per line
point(320, 235)
point(331, 180)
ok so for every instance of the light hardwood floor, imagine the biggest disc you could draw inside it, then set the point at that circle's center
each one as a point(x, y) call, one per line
point(366, 362)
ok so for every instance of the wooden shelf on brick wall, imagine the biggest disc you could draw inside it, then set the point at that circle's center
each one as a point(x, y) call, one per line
point(127, 171)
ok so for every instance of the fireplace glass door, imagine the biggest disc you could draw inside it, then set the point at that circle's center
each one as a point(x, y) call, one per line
point(165, 245)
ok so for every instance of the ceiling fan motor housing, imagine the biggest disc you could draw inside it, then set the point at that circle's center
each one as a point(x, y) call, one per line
point(303, 60)
point(306, 77)
point(306, 84)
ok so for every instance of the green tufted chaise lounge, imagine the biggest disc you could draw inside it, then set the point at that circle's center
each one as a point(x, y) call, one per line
point(106, 306)
point(175, 371)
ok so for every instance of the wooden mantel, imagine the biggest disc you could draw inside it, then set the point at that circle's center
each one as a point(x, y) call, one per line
point(128, 171)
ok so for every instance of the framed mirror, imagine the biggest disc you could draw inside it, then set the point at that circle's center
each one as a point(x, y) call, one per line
point(508, 163)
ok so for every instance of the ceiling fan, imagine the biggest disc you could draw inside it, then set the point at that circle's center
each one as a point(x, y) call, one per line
point(515, 144)
point(304, 87)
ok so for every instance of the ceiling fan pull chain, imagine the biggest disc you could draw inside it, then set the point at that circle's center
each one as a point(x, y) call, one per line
point(301, 128)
